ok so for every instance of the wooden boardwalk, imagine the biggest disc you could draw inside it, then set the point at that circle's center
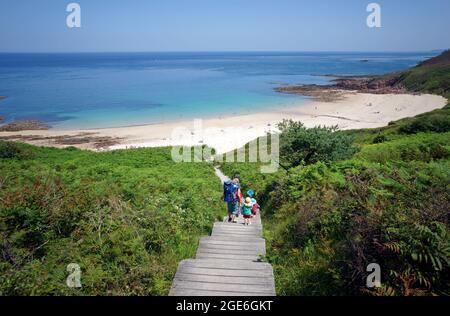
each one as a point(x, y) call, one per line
point(227, 264)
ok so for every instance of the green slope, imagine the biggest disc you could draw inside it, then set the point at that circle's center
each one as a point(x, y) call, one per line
point(126, 217)
point(389, 203)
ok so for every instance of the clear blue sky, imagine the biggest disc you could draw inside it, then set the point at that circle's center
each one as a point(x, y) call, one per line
point(223, 25)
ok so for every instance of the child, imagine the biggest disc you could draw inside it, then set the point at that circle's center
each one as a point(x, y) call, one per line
point(247, 211)
point(255, 205)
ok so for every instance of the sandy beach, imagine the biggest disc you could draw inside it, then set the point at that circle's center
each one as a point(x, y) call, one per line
point(355, 110)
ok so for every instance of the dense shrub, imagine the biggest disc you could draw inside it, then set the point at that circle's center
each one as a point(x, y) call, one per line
point(299, 144)
point(421, 147)
point(14, 150)
point(334, 221)
point(432, 123)
point(379, 139)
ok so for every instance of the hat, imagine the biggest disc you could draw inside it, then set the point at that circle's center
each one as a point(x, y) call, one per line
point(250, 193)
point(248, 202)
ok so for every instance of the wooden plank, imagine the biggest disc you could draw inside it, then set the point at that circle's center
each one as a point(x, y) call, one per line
point(239, 228)
point(226, 272)
point(223, 244)
point(215, 240)
point(225, 247)
point(231, 237)
point(206, 255)
point(241, 238)
point(235, 233)
point(190, 292)
point(243, 229)
point(254, 223)
point(240, 222)
point(241, 251)
point(206, 286)
point(226, 264)
point(222, 249)
point(191, 277)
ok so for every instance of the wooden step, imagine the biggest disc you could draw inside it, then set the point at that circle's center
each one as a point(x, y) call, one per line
point(228, 263)
point(223, 277)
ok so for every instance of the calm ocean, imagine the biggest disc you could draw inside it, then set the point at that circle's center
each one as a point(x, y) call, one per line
point(115, 89)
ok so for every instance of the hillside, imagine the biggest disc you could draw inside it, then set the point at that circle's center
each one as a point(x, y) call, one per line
point(343, 200)
point(126, 217)
point(430, 76)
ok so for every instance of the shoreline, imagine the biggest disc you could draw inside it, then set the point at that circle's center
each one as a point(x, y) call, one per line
point(353, 111)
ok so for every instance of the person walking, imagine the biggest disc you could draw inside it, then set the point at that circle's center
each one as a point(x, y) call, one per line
point(247, 211)
point(233, 196)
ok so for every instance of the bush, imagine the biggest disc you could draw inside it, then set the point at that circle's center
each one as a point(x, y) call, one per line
point(422, 147)
point(14, 150)
point(439, 123)
point(379, 139)
point(301, 145)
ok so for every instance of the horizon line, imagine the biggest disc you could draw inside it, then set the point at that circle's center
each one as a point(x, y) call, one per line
point(225, 51)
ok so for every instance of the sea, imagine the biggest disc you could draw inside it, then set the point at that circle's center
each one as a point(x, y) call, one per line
point(99, 90)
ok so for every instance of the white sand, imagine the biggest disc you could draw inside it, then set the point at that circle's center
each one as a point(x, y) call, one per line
point(356, 110)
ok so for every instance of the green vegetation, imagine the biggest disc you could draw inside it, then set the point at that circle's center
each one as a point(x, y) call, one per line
point(340, 201)
point(126, 217)
point(326, 219)
point(302, 145)
point(430, 76)
point(389, 204)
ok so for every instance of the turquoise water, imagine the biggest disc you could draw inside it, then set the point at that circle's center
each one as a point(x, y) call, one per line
point(117, 89)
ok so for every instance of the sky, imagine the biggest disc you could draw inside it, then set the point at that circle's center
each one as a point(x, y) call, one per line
point(223, 25)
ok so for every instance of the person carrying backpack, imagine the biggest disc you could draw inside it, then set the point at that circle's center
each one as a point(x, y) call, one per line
point(232, 195)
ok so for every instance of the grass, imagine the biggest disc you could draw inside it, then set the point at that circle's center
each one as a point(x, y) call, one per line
point(126, 217)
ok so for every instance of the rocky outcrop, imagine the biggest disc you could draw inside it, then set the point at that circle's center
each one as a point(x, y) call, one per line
point(381, 85)
point(408, 81)
point(344, 85)
point(91, 140)
point(319, 93)
point(28, 125)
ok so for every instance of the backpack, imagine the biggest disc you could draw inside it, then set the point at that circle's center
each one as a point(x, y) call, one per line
point(255, 208)
point(229, 191)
